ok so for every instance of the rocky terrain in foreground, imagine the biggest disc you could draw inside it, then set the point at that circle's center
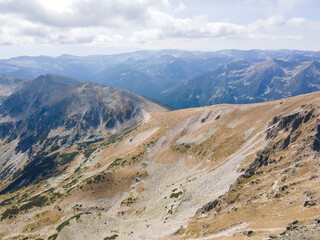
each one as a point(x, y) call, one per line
point(83, 161)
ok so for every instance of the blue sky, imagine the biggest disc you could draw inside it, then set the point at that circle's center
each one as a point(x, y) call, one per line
point(85, 27)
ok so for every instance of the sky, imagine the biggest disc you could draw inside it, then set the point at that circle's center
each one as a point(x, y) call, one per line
point(89, 27)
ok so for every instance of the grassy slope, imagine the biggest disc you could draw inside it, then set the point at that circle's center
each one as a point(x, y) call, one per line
point(150, 181)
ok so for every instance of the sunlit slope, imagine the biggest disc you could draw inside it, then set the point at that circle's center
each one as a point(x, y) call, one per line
point(256, 166)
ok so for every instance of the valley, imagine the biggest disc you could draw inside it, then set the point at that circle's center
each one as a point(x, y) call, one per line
point(218, 172)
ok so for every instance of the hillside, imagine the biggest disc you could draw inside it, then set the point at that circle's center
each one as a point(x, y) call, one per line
point(54, 112)
point(219, 172)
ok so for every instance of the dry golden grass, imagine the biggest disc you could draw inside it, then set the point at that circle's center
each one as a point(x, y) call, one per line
point(45, 218)
point(251, 206)
point(269, 201)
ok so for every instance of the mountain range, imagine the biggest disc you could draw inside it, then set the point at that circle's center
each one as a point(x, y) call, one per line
point(243, 81)
point(183, 79)
point(81, 160)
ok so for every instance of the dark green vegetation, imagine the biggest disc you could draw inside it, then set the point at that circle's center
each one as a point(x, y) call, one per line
point(118, 138)
point(175, 195)
point(89, 181)
point(53, 237)
point(70, 184)
point(120, 162)
point(39, 167)
point(114, 236)
point(5, 172)
point(40, 200)
point(7, 201)
point(87, 153)
point(44, 135)
point(88, 143)
point(65, 224)
point(101, 177)
point(36, 201)
point(182, 148)
point(128, 201)
point(117, 162)
point(9, 213)
point(67, 157)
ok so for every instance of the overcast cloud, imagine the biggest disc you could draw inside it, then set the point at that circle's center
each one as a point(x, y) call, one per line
point(145, 24)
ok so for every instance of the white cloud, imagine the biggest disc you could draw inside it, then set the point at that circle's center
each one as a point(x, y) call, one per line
point(170, 27)
point(127, 22)
point(82, 13)
point(302, 22)
point(270, 23)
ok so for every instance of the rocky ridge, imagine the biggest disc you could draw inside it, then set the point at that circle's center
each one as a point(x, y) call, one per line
point(55, 112)
point(219, 172)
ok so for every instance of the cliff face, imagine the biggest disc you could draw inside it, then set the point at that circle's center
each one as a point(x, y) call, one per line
point(115, 166)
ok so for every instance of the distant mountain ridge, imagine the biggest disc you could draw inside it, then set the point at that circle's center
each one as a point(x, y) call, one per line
point(184, 79)
point(243, 81)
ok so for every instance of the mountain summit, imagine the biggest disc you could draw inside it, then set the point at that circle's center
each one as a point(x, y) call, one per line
point(55, 112)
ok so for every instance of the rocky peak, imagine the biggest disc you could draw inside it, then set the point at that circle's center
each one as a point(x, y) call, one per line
point(37, 93)
point(55, 102)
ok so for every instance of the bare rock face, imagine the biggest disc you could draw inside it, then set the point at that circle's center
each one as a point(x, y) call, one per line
point(316, 141)
point(280, 124)
point(53, 112)
point(208, 206)
point(294, 231)
point(51, 102)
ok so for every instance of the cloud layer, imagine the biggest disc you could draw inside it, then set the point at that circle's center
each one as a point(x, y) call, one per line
point(135, 22)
